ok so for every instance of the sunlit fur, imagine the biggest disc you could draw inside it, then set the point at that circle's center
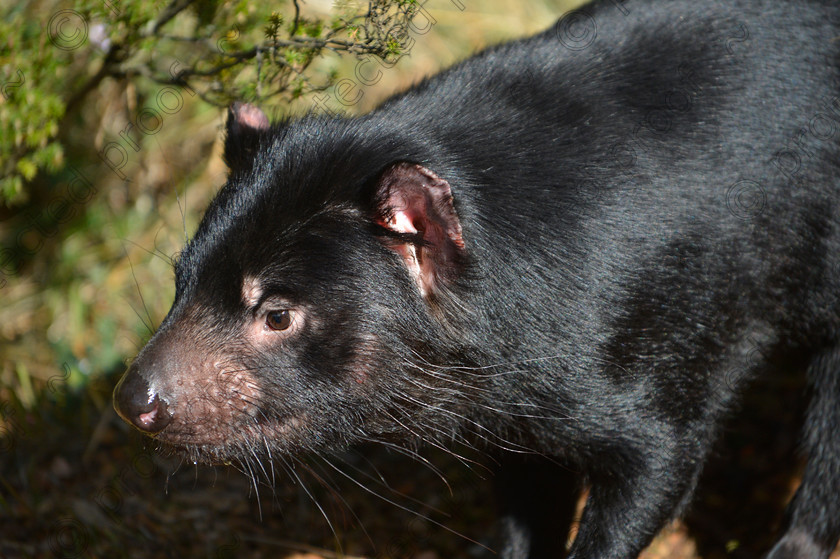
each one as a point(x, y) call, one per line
point(615, 293)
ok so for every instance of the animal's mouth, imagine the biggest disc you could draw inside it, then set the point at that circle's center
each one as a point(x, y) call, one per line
point(223, 443)
point(201, 454)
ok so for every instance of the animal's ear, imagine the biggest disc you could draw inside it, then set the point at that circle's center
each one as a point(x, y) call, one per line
point(245, 123)
point(415, 208)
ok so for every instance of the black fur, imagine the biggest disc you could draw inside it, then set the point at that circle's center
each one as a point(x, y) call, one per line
point(573, 249)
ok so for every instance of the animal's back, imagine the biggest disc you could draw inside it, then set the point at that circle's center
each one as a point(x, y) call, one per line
point(718, 132)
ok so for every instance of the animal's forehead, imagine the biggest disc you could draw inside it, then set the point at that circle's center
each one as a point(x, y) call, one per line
point(266, 239)
point(308, 174)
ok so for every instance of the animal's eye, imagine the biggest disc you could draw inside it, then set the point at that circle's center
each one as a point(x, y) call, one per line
point(280, 320)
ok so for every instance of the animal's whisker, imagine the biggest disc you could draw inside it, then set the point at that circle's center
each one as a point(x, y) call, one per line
point(424, 517)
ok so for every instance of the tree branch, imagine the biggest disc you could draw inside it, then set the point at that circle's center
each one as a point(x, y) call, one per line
point(173, 9)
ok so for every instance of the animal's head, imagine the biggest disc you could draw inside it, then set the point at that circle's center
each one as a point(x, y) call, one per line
point(307, 300)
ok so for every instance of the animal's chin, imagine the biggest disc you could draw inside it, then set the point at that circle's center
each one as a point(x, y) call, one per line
point(207, 455)
point(232, 444)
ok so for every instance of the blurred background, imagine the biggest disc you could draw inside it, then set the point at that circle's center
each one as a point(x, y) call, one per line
point(111, 119)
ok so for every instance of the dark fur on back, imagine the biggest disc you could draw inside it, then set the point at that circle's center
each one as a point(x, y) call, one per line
point(573, 253)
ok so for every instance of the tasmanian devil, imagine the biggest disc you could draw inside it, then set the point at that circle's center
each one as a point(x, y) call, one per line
point(572, 249)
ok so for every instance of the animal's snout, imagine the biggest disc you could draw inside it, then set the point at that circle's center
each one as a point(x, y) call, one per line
point(138, 405)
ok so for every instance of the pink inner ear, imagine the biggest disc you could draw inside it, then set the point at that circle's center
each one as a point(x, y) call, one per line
point(415, 200)
point(401, 222)
point(250, 116)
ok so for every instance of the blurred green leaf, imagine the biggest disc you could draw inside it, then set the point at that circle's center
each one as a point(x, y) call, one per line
point(52, 57)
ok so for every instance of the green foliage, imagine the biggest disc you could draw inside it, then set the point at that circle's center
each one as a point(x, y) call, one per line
point(29, 115)
point(53, 56)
